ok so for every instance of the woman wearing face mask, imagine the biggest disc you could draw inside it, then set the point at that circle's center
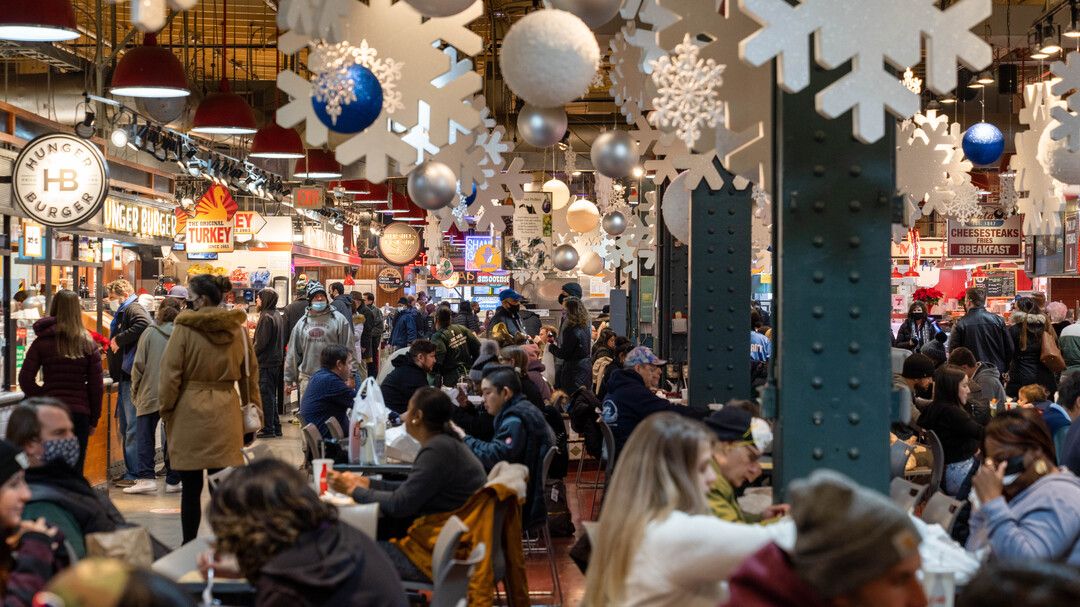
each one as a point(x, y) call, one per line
point(70, 365)
point(202, 364)
point(657, 544)
point(444, 475)
point(32, 551)
point(573, 348)
point(948, 417)
point(1029, 506)
point(918, 330)
point(521, 436)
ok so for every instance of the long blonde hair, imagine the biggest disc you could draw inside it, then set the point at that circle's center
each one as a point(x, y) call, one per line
point(72, 339)
point(656, 475)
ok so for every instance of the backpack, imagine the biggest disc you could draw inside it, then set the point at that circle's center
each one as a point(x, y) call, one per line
point(584, 410)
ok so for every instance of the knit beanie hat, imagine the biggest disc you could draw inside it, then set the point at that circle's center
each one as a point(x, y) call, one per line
point(847, 535)
point(314, 288)
point(572, 289)
point(12, 460)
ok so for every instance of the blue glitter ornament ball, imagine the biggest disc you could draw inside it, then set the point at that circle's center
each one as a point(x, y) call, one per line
point(983, 143)
point(358, 114)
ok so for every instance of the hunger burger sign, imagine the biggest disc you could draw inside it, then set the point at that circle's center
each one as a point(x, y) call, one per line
point(60, 180)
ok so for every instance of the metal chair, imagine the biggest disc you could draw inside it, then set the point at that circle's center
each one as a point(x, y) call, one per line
point(334, 428)
point(313, 442)
point(942, 509)
point(442, 558)
point(937, 452)
point(452, 587)
point(609, 466)
point(905, 493)
point(899, 452)
point(548, 547)
point(362, 517)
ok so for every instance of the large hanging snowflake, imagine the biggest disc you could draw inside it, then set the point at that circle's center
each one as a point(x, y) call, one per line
point(687, 86)
point(569, 160)
point(673, 158)
point(930, 163)
point(962, 204)
point(1068, 79)
point(335, 87)
point(433, 239)
point(434, 77)
point(846, 31)
point(1008, 195)
point(631, 87)
point(1041, 197)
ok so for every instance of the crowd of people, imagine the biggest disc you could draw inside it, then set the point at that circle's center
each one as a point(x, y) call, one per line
point(486, 402)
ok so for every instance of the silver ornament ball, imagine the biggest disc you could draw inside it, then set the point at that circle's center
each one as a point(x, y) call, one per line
point(593, 12)
point(541, 127)
point(614, 154)
point(432, 185)
point(565, 257)
point(440, 8)
point(614, 223)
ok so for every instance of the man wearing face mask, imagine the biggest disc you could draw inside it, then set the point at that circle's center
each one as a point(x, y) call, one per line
point(42, 428)
point(320, 327)
point(406, 328)
point(129, 321)
point(508, 313)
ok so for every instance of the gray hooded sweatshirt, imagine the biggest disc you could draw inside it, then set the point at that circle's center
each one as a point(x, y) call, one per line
point(312, 333)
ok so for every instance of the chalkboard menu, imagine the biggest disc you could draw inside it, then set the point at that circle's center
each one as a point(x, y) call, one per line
point(1002, 284)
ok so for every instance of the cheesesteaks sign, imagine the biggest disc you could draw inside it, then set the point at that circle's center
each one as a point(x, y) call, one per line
point(60, 180)
point(986, 238)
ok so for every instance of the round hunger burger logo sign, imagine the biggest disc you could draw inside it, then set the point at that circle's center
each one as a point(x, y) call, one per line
point(60, 180)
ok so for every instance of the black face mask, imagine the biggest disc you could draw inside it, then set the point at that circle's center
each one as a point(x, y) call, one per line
point(515, 308)
point(918, 315)
point(562, 297)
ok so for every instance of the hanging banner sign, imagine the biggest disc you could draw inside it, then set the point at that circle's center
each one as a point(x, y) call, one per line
point(138, 220)
point(1071, 242)
point(60, 180)
point(399, 244)
point(211, 229)
point(483, 279)
point(531, 221)
point(929, 248)
point(390, 279)
point(33, 246)
point(248, 223)
point(986, 238)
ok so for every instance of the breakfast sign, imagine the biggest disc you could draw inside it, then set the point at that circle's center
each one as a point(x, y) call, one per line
point(209, 227)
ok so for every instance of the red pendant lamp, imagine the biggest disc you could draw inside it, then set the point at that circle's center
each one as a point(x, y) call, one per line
point(318, 164)
point(896, 272)
point(149, 71)
point(224, 112)
point(274, 141)
point(911, 272)
point(38, 21)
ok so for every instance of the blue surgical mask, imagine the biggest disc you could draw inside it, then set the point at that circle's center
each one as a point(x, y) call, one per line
point(318, 306)
point(64, 450)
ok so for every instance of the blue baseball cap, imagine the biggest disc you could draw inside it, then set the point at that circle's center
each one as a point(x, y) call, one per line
point(510, 294)
point(642, 355)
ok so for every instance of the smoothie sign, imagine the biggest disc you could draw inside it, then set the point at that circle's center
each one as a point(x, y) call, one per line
point(209, 229)
point(60, 180)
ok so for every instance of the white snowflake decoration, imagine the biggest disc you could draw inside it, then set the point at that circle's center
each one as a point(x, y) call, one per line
point(333, 85)
point(152, 15)
point(1068, 79)
point(433, 239)
point(963, 203)
point(1041, 197)
point(465, 160)
point(509, 181)
point(687, 87)
point(631, 87)
point(569, 160)
point(434, 77)
point(1008, 195)
point(673, 158)
point(842, 32)
point(929, 161)
point(911, 82)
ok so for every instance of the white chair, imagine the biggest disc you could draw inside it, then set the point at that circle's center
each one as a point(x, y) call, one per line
point(363, 517)
point(334, 428)
point(183, 560)
point(450, 584)
point(943, 510)
point(905, 493)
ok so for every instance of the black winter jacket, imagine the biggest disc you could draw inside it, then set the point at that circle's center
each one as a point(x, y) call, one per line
point(629, 401)
point(270, 337)
point(293, 313)
point(133, 321)
point(985, 335)
point(400, 384)
point(1026, 368)
point(573, 350)
point(332, 565)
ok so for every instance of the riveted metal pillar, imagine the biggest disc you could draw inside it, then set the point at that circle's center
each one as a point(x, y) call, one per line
point(720, 292)
point(832, 354)
point(672, 292)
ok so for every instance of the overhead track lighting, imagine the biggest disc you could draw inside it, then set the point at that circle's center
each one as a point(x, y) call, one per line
point(38, 21)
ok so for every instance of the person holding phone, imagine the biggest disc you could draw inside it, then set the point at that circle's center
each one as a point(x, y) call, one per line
point(1028, 505)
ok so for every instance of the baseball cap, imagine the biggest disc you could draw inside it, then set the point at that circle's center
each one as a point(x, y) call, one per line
point(178, 292)
point(403, 301)
point(510, 294)
point(918, 366)
point(730, 425)
point(642, 355)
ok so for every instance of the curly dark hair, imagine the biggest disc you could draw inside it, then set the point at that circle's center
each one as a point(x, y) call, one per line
point(262, 509)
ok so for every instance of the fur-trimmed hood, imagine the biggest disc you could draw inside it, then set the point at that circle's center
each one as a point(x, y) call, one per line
point(217, 324)
point(1018, 317)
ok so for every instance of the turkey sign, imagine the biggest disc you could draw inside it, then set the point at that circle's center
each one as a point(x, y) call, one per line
point(210, 229)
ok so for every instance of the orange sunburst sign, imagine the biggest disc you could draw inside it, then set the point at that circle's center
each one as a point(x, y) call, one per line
point(210, 230)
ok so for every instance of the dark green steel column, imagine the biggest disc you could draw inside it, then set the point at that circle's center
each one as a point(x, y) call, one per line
point(672, 291)
point(832, 327)
point(719, 292)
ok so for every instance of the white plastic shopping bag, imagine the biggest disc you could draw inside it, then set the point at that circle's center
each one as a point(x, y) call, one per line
point(367, 425)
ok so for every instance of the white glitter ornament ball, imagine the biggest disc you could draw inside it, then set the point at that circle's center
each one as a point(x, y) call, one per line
point(675, 208)
point(549, 58)
point(1055, 157)
point(593, 12)
point(582, 216)
point(440, 8)
point(560, 192)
